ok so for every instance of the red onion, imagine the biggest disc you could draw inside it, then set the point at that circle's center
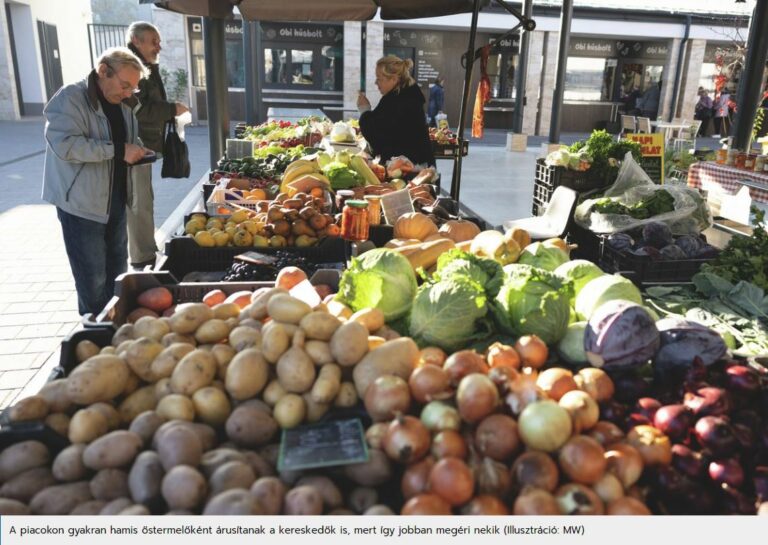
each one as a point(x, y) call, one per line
point(674, 420)
point(687, 461)
point(742, 379)
point(708, 401)
point(727, 471)
point(715, 433)
point(647, 406)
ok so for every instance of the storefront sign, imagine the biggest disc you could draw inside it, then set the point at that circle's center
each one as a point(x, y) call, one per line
point(275, 32)
point(652, 149)
point(584, 47)
point(655, 50)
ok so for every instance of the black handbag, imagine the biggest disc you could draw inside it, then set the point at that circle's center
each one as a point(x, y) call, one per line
point(175, 154)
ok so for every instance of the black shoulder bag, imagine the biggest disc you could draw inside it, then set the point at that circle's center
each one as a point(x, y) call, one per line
point(175, 154)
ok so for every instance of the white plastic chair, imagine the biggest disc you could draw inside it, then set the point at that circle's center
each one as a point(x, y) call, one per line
point(628, 124)
point(686, 138)
point(644, 125)
point(554, 222)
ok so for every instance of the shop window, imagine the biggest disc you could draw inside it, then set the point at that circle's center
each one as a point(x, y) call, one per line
point(652, 75)
point(235, 64)
point(276, 66)
point(589, 79)
point(707, 77)
point(501, 72)
point(333, 70)
point(198, 63)
point(301, 67)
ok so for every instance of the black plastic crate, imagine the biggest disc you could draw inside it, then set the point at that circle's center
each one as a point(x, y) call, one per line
point(589, 244)
point(549, 178)
point(10, 434)
point(183, 255)
point(644, 270)
point(381, 234)
point(100, 336)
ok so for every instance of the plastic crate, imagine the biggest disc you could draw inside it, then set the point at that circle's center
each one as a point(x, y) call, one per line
point(644, 270)
point(548, 178)
point(10, 434)
point(589, 244)
point(183, 255)
point(100, 336)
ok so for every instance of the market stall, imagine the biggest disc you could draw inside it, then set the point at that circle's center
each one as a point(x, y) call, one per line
point(712, 176)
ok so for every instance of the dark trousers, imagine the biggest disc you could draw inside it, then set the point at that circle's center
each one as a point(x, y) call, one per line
point(704, 124)
point(722, 126)
point(98, 252)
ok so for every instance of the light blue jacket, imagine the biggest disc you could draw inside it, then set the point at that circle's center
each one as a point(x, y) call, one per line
point(79, 153)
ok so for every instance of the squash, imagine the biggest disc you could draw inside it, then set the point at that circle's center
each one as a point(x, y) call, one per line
point(558, 243)
point(459, 230)
point(436, 236)
point(414, 225)
point(519, 235)
point(400, 242)
point(425, 254)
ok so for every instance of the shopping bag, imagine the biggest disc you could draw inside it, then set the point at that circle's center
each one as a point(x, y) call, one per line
point(175, 154)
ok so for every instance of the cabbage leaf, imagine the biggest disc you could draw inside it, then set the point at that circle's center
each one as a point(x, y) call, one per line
point(485, 271)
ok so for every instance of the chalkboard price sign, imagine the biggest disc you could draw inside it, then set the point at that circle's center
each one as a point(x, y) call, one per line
point(338, 442)
point(652, 149)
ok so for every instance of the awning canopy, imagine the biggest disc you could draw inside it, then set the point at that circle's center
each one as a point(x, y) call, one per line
point(317, 10)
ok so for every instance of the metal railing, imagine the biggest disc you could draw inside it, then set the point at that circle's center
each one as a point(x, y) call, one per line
point(101, 37)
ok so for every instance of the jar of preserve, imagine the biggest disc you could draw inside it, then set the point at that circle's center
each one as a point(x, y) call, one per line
point(730, 158)
point(741, 159)
point(354, 221)
point(749, 161)
point(722, 155)
point(341, 197)
point(374, 209)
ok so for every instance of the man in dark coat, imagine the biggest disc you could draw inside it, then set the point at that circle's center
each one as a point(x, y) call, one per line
point(436, 100)
point(153, 110)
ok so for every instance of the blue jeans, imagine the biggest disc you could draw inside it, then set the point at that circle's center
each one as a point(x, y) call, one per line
point(97, 253)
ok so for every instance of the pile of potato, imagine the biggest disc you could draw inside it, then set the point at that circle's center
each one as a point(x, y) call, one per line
point(181, 414)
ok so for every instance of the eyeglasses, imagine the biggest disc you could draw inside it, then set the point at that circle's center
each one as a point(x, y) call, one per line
point(126, 85)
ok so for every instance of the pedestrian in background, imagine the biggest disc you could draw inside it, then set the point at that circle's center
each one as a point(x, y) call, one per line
point(92, 141)
point(649, 102)
point(153, 110)
point(436, 100)
point(722, 113)
point(703, 110)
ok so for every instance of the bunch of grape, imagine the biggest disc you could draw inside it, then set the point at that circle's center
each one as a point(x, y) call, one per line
point(248, 272)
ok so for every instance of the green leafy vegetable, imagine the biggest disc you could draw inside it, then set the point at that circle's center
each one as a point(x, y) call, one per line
point(544, 257)
point(382, 279)
point(486, 272)
point(449, 313)
point(602, 147)
point(341, 176)
point(579, 272)
point(533, 301)
point(660, 202)
point(602, 289)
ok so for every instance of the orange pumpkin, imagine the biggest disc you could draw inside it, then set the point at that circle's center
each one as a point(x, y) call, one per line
point(459, 230)
point(414, 225)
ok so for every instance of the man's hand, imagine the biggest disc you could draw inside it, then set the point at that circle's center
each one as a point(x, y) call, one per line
point(181, 108)
point(133, 153)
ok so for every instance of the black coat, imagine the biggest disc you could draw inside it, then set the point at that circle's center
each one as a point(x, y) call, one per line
point(397, 126)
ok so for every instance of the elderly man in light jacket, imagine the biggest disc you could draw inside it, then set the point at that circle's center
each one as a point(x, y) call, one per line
point(90, 169)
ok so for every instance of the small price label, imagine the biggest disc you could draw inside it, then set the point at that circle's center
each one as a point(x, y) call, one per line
point(333, 443)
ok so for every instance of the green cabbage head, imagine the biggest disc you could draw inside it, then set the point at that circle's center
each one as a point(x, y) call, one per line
point(544, 257)
point(602, 289)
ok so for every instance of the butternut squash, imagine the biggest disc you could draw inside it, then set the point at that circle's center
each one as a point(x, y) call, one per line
point(425, 254)
point(400, 242)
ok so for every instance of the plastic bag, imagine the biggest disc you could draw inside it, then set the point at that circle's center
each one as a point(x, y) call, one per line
point(690, 216)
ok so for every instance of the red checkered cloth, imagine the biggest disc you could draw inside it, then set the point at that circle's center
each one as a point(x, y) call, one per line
point(725, 179)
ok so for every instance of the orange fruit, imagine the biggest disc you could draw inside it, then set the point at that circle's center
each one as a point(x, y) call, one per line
point(316, 191)
point(258, 194)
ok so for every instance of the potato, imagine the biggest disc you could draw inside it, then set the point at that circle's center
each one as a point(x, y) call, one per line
point(362, 498)
point(58, 422)
point(273, 392)
point(397, 357)
point(214, 459)
point(145, 477)
point(349, 344)
point(376, 471)
point(275, 340)
point(290, 411)
point(387, 333)
point(319, 325)
point(176, 407)
point(179, 446)
point(223, 353)
point(60, 499)
point(100, 378)
point(195, 370)
point(140, 355)
point(89, 508)
point(30, 408)
point(85, 349)
point(123, 346)
point(132, 384)
point(328, 490)
point(22, 456)
point(157, 299)
point(212, 405)
point(25, 485)
point(146, 424)
point(371, 318)
point(107, 350)
point(233, 474)
point(299, 338)
point(259, 465)
point(115, 506)
point(327, 385)
point(116, 449)
point(223, 311)
point(270, 453)
point(319, 352)
point(270, 493)
point(212, 331)
point(163, 388)
point(338, 309)
point(109, 412)
point(135, 511)
point(55, 393)
point(143, 399)
point(259, 300)
point(379, 510)
point(303, 500)
point(284, 308)
point(250, 427)
point(247, 374)
point(189, 316)
point(247, 321)
point(243, 337)
point(172, 338)
point(315, 411)
point(184, 487)
point(233, 502)
point(68, 465)
point(151, 328)
point(109, 484)
point(295, 371)
point(124, 333)
point(347, 396)
point(165, 362)
point(204, 432)
point(13, 507)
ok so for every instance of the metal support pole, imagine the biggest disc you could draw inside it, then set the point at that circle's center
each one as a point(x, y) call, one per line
point(217, 101)
point(470, 60)
point(562, 60)
point(522, 71)
point(679, 70)
point(253, 71)
point(752, 81)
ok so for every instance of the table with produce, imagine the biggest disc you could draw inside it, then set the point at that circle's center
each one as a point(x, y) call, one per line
point(454, 370)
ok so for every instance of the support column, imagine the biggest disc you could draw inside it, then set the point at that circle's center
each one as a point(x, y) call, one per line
point(521, 99)
point(9, 98)
point(686, 104)
point(352, 64)
point(668, 77)
point(374, 50)
point(533, 81)
point(566, 15)
point(216, 86)
point(549, 59)
point(253, 71)
point(752, 77)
